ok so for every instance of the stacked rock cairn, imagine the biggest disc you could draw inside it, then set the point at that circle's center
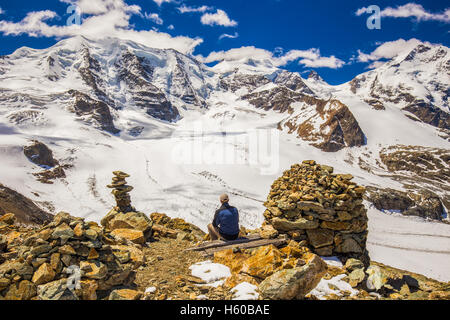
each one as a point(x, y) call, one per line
point(121, 191)
point(323, 210)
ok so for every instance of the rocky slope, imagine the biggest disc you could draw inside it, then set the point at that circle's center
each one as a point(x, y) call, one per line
point(111, 267)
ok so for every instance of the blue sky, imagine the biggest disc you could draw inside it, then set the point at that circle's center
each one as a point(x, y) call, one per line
point(330, 37)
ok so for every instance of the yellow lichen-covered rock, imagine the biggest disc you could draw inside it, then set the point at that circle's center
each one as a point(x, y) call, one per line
point(88, 289)
point(230, 259)
point(135, 236)
point(8, 219)
point(125, 294)
point(23, 290)
point(94, 269)
point(43, 274)
point(263, 262)
point(237, 278)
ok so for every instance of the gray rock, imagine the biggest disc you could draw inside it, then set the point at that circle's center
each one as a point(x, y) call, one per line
point(293, 283)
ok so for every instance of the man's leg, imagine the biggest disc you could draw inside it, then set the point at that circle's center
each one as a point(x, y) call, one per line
point(213, 232)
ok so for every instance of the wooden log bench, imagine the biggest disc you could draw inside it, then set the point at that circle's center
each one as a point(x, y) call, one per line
point(252, 241)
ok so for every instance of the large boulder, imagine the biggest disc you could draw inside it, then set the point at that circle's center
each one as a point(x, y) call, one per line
point(40, 154)
point(294, 283)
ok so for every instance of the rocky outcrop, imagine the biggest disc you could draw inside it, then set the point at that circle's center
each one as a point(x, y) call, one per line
point(423, 204)
point(41, 155)
point(91, 110)
point(38, 153)
point(25, 210)
point(292, 81)
point(329, 125)
point(90, 72)
point(235, 81)
point(343, 130)
point(145, 95)
point(429, 114)
point(423, 171)
point(309, 203)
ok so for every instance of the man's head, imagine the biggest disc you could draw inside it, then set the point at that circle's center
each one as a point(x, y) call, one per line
point(224, 198)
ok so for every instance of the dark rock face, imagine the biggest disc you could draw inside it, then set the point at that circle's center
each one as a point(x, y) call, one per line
point(40, 154)
point(429, 114)
point(97, 111)
point(423, 204)
point(89, 72)
point(345, 131)
point(425, 162)
point(314, 75)
point(237, 81)
point(277, 99)
point(292, 81)
point(423, 171)
point(181, 86)
point(147, 96)
point(24, 209)
point(338, 129)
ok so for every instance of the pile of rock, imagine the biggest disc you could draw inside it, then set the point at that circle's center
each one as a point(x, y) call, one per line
point(121, 191)
point(123, 221)
point(320, 209)
point(176, 228)
point(65, 259)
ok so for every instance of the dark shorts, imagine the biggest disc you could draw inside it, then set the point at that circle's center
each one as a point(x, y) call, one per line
point(229, 237)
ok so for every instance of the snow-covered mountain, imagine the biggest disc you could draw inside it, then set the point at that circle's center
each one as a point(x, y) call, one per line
point(186, 132)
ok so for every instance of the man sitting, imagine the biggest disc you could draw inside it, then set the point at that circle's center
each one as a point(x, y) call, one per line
point(226, 221)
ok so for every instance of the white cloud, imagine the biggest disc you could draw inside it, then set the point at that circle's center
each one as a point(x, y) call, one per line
point(102, 6)
point(219, 18)
point(171, 27)
point(154, 17)
point(185, 9)
point(309, 58)
point(230, 36)
point(160, 2)
point(2, 11)
point(388, 50)
point(411, 10)
point(108, 18)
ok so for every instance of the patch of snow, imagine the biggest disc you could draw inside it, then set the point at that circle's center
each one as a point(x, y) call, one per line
point(323, 288)
point(212, 273)
point(245, 291)
point(150, 290)
point(333, 261)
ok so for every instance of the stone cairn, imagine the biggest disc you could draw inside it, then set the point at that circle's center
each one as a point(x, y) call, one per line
point(121, 191)
point(124, 221)
point(323, 210)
